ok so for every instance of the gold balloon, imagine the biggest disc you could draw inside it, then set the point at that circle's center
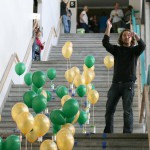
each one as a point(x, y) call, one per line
point(93, 96)
point(65, 140)
point(76, 117)
point(70, 75)
point(68, 43)
point(88, 87)
point(69, 127)
point(25, 122)
point(86, 68)
point(17, 109)
point(41, 125)
point(78, 80)
point(31, 136)
point(67, 51)
point(48, 145)
point(89, 76)
point(76, 70)
point(109, 61)
point(64, 99)
point(44, 93)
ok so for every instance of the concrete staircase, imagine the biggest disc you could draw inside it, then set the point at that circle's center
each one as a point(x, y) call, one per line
point(83, 45)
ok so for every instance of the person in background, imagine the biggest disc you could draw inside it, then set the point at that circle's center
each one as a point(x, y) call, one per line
point(91, 24)
point(64, 15)
point(102, 23)
point(84, 19)
point(37, 47)
point(125, 55)
point(127, 17)
point(95, 24)
point(116, 16)
point(69, 14)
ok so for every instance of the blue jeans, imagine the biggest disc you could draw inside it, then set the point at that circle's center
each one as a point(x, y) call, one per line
point(65, 23)
point(85, 26)
point(69, 25)
point(117, 90)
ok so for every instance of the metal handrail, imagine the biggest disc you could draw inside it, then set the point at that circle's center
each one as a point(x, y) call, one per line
point(15, 56)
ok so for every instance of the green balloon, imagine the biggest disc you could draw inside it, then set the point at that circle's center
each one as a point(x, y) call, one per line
point(28, 78)
point(56, 128)
point(61, 91)
point(51, 73)
point(20, 68)
point(1, 143)
point(28, 97)
point(39, 103)
point(12, 143)
point(39, 78)
point(70, 108)
point(35, 89)
point(81, 90)
point(57, 117)
point(82, 117)
point(89, 61)
point(49, 95)
point(69, 120)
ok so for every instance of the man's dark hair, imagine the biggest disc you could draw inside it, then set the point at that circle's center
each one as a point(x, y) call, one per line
point(120, 38)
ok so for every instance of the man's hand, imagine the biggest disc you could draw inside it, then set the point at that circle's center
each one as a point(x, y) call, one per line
point(134, 34)
point(109, 24)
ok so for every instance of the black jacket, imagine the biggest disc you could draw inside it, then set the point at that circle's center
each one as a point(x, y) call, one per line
point(125, 59)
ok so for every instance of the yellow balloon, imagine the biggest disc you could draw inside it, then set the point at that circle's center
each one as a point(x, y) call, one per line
point(88, 75)
point(67, 51)
point(44, 93)
point(25, 122)
point(109, 61)
point(86, 68)
point(69, 127)
point(41, 125)
point(65, 140)
point(64, 99)
point(70, 75)
point(76, 117)
point(88, 87)
point(76, 70)
point(78, 80)
point(93, 96)
point(48, 145)
point(31, 136)
point(17, 109)
point(68, 43)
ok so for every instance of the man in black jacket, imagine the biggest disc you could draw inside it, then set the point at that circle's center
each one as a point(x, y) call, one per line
point(64, 15)
point(125, 62)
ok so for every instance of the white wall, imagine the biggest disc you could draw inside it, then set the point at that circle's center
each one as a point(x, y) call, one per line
point(16, 31)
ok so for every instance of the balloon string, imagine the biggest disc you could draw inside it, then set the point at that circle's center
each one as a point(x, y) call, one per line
point(70, 63)
point(31, 146)
point(67, 72)
point(93, 114)
point(108, 78)
point(26, 144)
point(81, 103)
point(20, 140)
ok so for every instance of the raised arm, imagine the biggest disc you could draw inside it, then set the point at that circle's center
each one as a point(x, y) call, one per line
point(109, 47)
point(141, 45)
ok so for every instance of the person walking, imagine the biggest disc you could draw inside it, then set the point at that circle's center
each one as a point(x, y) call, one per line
point(116, 16)
point(84, 19)
point(64, 15)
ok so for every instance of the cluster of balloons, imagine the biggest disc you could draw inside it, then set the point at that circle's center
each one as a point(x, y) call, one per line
point(12, 142)
point(31, 127)
point(67, 50)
